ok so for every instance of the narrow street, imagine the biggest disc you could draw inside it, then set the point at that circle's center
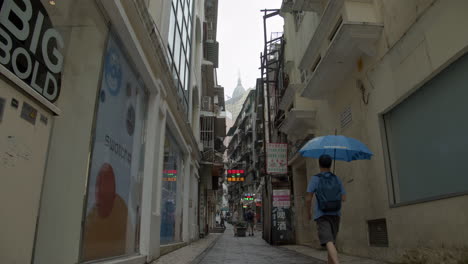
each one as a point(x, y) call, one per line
point(229, 250)
point(132, 131)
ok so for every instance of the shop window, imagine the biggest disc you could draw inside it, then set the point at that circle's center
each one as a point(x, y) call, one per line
point(172, 193)
point(113, 205)
point(426, 139)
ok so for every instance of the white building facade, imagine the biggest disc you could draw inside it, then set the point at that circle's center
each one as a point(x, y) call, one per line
point(99, 116)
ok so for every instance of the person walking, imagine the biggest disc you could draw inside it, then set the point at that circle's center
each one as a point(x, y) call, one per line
point(222, 221)
point(249, 217)
point(329, 193)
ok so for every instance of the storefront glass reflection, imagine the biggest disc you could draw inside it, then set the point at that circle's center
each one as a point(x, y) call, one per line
point(114, 187)
point(172, 186)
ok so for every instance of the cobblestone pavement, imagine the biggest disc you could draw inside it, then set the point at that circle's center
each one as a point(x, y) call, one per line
point(189, 253)
point(251, 250)
point(322, 254)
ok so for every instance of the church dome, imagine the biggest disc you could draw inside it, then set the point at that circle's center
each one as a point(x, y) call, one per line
point(239, 91)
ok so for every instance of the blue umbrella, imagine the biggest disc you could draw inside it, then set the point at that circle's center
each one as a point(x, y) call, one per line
point(337, 147)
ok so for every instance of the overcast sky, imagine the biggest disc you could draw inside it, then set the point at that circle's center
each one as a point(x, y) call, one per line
point(240, 36)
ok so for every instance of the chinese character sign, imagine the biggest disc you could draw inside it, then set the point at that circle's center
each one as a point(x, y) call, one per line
point(235, 175)
point(277, 158)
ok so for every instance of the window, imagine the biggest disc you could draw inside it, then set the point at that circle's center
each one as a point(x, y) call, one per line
point(113, 206)
point(426, 139)
point(172, 193)
point(180, 45)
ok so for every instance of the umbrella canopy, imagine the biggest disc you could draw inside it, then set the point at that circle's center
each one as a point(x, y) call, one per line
point(337, 147)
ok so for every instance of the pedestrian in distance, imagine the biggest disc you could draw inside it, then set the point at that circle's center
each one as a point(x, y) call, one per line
point(235, 219)
point(222, 221)
point(329, 193)
point(249, 217)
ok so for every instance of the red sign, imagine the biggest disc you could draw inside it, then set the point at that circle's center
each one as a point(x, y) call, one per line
point(235, 171)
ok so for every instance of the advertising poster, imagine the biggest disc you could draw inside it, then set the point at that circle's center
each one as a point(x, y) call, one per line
point(114, 185)
point(277, 158)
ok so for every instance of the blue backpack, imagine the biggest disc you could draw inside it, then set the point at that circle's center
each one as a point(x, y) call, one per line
point(328, 193)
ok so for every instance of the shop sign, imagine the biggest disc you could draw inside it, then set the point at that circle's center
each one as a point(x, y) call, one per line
point(281, 198)
point(277, 158)
point(235, 175)
point(30, 47)
point(170, 175)
point(231, 179)
point(249, 197)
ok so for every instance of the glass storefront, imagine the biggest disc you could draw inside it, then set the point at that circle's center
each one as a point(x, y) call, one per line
point(172, 192)
point(114, 186)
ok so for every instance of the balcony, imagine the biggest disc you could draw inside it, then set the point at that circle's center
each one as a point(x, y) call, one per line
point(348, 30)
point(303, 5)
point(299, 122)
point(288, 96)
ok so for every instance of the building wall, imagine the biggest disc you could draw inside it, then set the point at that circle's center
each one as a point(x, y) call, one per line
point(85, 27)
point(22, 164)
point(420, 39)
point(58, 236)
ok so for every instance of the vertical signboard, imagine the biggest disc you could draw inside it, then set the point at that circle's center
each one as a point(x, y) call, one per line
point(282, 231)
point(277, 158)
point(112, 213)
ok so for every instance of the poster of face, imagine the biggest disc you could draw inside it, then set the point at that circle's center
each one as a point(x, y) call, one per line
point(114, 185)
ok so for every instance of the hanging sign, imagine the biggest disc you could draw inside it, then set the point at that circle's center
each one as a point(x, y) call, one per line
point(277, 158)
point(170, 175)
point(249, 196)
point(30, 47)
point(235, 175)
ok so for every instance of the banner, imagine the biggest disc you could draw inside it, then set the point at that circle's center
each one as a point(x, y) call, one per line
point(277, 158)
point(114, 185)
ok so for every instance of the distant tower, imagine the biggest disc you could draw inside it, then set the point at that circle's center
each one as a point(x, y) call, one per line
point(239, 90)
